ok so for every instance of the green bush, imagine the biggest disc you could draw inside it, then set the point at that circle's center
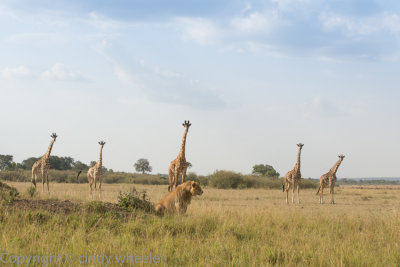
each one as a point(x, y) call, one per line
point(7, 193)
point(225, 179)
point(31, 191)
point(135, 200)
point(203, 180)
point(150, 179)
point(309, 183)
point(96, 207)
point(229, 179)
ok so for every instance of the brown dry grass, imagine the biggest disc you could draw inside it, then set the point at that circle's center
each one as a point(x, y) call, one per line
point(249, 227)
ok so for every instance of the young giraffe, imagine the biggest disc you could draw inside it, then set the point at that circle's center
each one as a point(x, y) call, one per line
point(293, 177)
point(43, 165)
point(329, 178)
point(96, 172)
point(179, 165)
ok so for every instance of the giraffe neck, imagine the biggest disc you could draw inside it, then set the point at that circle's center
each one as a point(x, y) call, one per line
point(47, 155)
point(182, 152)
point(334, 169)
point(297, 167)
point(100, 162)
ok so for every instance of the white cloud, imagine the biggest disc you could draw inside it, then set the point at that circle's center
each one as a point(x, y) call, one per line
point(6, 12)
point(16, 72)
point(119, 71)
point(160, 85)
point(363, 26)
point(103, 22)
point(60, 73)
point(321, 108)
point(289, 5)
point(391, 22)
point(254, 22)
point(199, 30)
point(37, 38)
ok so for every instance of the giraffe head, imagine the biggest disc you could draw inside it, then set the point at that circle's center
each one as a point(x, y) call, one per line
point(186, 124)
point(341, 156)
point(54, 136)
point(300, 145)
point(102, 143)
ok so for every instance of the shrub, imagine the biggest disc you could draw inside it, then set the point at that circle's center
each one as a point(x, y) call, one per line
point(192, 176)
point(309, 183)
point(7, 193)
point(96, 207)
point(31, 191)
point(135, 200)
point(225, 179)
point(203, 180)
point(153, 180)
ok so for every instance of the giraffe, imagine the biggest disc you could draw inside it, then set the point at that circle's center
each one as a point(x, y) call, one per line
point(96, 172)
point(293, 178)
point(179, 164)
point(329, 178)
point(43, 165)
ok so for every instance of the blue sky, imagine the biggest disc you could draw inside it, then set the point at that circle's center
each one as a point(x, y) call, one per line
point(254, 77)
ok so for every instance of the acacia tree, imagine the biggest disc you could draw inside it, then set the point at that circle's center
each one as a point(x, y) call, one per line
point(265, 170)
point(6, 161)
point(189, 165)
point(143, 165)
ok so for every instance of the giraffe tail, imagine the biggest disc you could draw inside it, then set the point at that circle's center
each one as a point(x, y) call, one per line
point(283, 188)
point(77, 177)
point(319, 188)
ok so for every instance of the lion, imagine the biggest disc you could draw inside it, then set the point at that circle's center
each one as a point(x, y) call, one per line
point(179, 199)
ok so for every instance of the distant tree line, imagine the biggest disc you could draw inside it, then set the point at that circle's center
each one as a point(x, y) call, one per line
point(56, 163)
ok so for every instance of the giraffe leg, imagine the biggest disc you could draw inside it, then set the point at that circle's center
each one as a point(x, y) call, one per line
point(184, 174)
point(33, 179)
point(42, 181)
point(293, 187)
point(100, 178)
point(176, 175)
point(171, 176)
point(321, 195)
point(95, 184)
point(90, 187)
point(47, 181)
point(90, 182)
point(287, 192)
point(298, 191)
point(332, 192)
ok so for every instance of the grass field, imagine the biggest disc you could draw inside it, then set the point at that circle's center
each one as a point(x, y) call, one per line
point(250, 227)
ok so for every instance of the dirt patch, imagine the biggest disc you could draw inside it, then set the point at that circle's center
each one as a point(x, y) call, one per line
point(58, 206)
point(66, 206)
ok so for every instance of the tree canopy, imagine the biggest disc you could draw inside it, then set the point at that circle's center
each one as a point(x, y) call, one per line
point(143, 165)
point(265, 170)
point(6, 161)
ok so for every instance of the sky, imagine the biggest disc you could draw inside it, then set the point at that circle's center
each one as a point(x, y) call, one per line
point(253, 77)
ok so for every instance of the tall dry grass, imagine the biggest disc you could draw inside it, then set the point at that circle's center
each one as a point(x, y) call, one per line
point(251, 227)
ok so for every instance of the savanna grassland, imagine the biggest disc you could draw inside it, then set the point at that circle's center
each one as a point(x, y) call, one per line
point(247, 227)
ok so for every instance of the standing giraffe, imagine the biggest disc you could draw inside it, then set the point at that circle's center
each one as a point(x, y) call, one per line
point(96, 172)
point(43, 165)
point(329, 178)
point(179, 165)
point(293, 177)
